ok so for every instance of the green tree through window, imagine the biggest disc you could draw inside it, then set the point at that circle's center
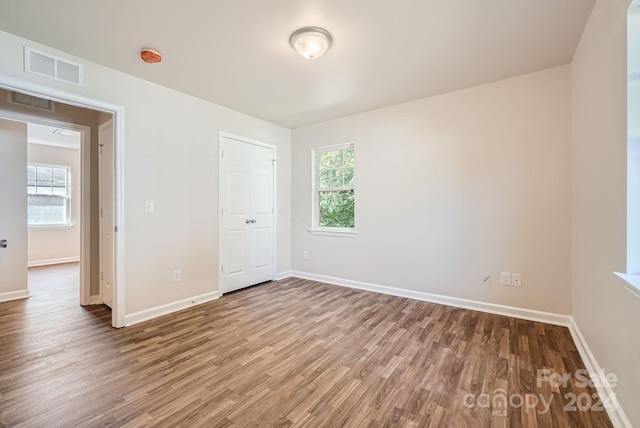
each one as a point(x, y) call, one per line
point(335, 191)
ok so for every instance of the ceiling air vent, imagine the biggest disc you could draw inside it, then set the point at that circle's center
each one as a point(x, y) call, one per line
point(45, 64)
point(30, 101)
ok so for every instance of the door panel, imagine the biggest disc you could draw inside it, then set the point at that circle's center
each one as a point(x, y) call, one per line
point(246, 183)
point(235, 182)
point(262, 267)
point(263, 193)
point(238, 202)
point(237, 243)
point(13, 206)
point(107, 225)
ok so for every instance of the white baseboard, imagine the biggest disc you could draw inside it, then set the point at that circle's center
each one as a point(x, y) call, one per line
point(605, 391)
point(158, 311)
point(48, 262)
point(492, 308)
point(283, 275)
point(14, 295)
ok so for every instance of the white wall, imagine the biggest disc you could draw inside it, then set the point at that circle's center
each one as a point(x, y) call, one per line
point(13, 210)
point(451, 189)
point(50, 244)
point(171, 157)
point(607, 314)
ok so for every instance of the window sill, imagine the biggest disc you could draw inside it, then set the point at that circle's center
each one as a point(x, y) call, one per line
point(630, 282)
point(350, 233)
point(51, 227)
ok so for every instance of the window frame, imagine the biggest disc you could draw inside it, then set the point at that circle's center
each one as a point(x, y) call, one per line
point(316, 229)
point(67, 197)
point(631, 277)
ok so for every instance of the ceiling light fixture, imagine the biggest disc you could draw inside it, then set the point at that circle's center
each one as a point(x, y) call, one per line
point(310, 42)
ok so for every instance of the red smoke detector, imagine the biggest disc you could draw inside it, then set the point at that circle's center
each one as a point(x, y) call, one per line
point(150, 56)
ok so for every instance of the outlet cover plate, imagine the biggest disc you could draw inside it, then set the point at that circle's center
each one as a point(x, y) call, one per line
point(516, 280)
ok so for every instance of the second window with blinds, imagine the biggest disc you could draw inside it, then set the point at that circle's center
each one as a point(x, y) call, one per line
point(334, 198)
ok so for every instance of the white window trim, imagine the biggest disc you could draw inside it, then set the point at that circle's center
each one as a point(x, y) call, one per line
point(631, 278)
point(315, 229)
point(631, 283)
point(69, 223)
point(50, 227)
point(334, 231)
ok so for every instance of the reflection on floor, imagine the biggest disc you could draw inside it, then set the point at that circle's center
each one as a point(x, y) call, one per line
point(56, 284)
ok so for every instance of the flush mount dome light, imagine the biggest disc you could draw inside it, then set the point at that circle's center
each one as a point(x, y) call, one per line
point(310, 42)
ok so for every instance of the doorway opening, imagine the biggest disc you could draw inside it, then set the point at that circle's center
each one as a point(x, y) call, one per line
point(54, 201)
point(55, 205)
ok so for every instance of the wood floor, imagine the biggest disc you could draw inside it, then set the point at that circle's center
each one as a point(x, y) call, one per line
point(288, 353)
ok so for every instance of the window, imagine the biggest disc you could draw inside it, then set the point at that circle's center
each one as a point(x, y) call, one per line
point(631, 277)
point(48, 195)
point(334, 190)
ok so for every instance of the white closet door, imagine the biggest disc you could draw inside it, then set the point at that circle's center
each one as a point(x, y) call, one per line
point(247, 215)
point(261, 247)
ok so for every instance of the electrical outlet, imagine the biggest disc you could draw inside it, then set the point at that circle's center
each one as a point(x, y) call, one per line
point(177, 275)
point(505, 278)
point(516, 280)
point(149, 206)
point(305, 255)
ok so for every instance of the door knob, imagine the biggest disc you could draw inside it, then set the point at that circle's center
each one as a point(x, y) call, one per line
point(3, 243)
point(250, 220)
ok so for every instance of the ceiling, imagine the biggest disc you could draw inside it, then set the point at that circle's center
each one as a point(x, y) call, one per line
point(53, 136)
point(237, 53)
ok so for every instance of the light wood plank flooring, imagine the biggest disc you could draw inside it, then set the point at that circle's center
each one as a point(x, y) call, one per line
point(288, 353)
